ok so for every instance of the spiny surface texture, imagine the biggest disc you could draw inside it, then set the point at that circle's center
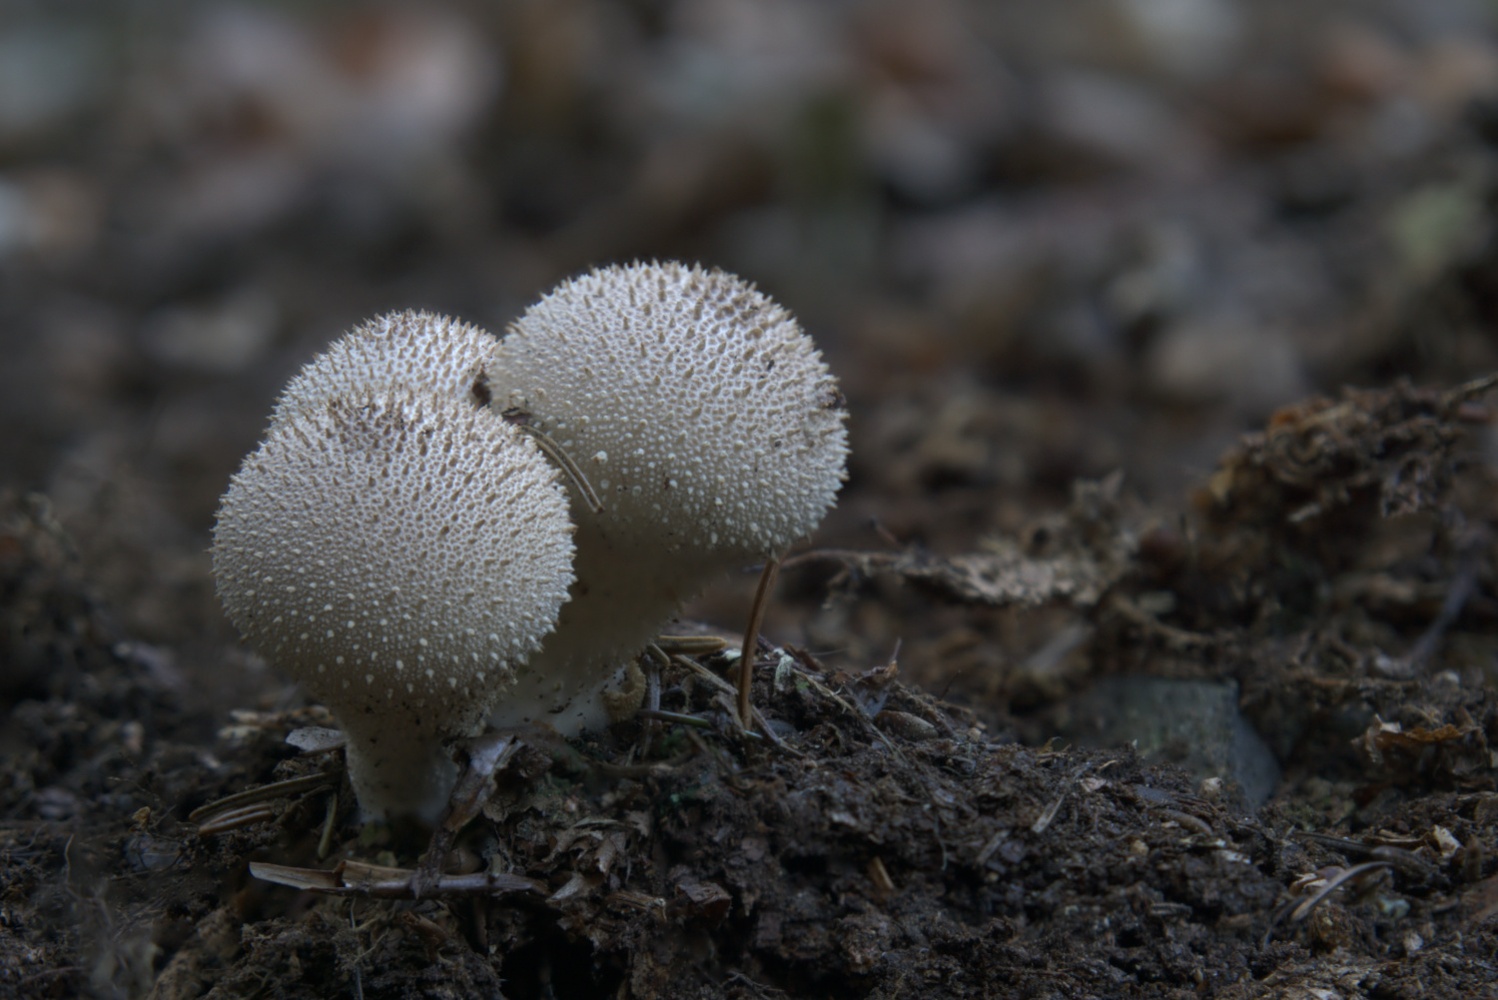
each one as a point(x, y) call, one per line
point(396, 552)
point(703, 416)
point(707, 424)
point(418, 350)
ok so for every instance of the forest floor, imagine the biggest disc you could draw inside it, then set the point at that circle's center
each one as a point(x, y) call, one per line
point(1140, 658)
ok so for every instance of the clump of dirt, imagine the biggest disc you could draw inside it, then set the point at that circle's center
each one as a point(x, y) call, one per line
point(870, 839)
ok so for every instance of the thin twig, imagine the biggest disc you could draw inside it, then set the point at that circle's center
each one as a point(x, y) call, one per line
point(1468, 390)
point(358, 972)
point(352, 878)
point(652, 697)
point(764, 727)
point(325, 842)
point(826, 692)
point(211, 815)
point(691, 645)
point(706, 674)
point(1333, 884)
point(487, 756)
point(1298, 910)
point(751, 639)
point(559, 455)
point(846, 556)
point(695, 721)
point(236, 819)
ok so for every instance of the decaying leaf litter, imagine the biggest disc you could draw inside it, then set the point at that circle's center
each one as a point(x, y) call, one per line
point(883, 840)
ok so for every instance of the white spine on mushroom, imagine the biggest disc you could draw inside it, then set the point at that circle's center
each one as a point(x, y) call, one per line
point(398, 552)
point(708, 425)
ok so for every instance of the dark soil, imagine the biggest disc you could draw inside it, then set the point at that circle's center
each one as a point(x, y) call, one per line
point(1100, 433)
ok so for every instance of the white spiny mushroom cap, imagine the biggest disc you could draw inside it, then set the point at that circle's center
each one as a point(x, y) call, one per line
point(707, 424)
point(703, 417)
point(398, 552)
point(417, 350)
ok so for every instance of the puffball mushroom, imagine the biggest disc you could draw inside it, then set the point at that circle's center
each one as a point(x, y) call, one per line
point(708, 425)
point(399, 551)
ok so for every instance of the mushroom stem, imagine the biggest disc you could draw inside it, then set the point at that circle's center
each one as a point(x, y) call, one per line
point(412, 775)
point(612, 612)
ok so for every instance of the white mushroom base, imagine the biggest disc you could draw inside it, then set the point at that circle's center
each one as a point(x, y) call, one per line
point(409, 776)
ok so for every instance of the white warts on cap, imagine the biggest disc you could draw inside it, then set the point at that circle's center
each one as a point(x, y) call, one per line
point(382, 526)
point(709, 426)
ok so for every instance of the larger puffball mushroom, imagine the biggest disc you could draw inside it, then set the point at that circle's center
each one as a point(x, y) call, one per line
point(710, 429)
point(399, 552)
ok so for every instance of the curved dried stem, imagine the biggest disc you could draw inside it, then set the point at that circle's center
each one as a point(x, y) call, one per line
point(559, 455)
point(751, 639)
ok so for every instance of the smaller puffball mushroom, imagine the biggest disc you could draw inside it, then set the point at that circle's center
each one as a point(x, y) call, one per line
point(707, 424)
point(399, 551)
point(414, 350)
